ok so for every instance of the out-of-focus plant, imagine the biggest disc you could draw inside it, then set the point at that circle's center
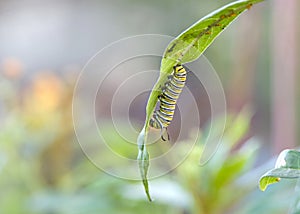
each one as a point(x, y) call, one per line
point(44, 171)
point(226, 184)
point(287, 166)
point(214, 186)
point(36, 133)
point(42, 168)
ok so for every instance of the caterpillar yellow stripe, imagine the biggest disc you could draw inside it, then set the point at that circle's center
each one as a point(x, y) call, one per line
point(170, 92)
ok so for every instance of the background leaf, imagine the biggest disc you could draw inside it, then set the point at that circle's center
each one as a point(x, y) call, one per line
point(287, 166)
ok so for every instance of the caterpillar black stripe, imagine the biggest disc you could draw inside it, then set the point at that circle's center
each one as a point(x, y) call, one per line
point(163, 116)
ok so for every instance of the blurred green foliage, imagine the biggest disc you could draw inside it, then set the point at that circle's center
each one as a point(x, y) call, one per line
point(213, 185)
point(287, 166)
point(43, 169)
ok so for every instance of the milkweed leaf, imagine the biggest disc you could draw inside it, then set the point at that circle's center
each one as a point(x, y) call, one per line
point(143, 161)
point(287, 166)
point(187, 47)
point(192, 42)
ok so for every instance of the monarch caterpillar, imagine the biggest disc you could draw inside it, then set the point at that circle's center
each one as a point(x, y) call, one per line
point(170, 92)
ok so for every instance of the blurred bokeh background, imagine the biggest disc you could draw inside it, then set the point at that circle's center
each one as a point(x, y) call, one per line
point(45, 44)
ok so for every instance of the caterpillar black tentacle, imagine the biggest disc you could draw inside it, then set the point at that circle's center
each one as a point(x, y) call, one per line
point(162, 117)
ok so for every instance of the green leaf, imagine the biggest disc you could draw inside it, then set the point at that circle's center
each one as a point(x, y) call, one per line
point(190, 44)
point(239, 126)
point(143, 161)
point(287, 166)
point(235, 163)
point(187, 47)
